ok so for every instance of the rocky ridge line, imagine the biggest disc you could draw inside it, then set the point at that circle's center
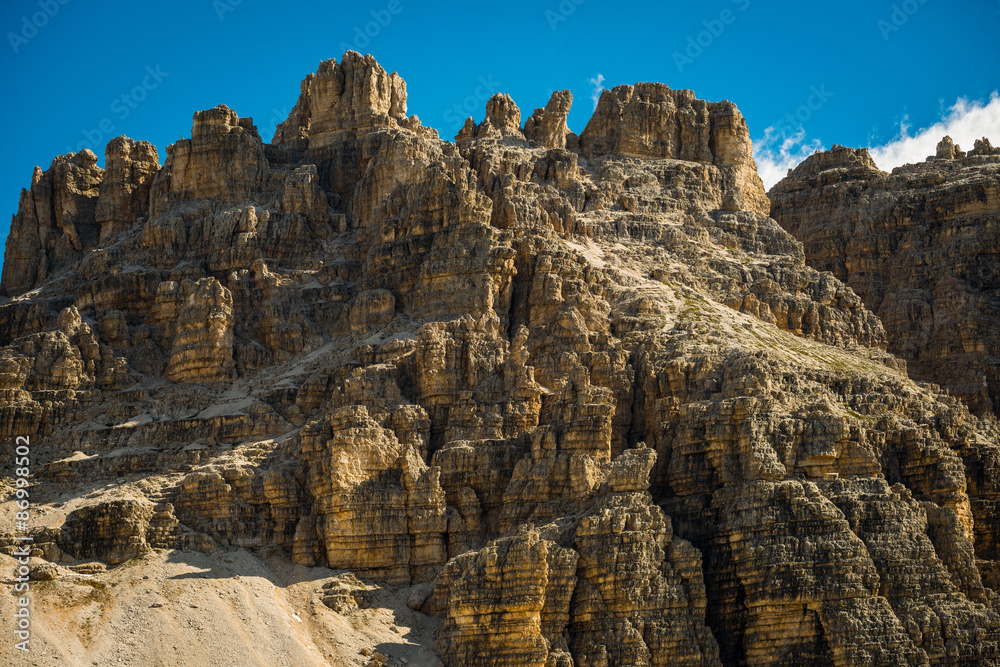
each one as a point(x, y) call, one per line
point(579, 394)
point(920, 246)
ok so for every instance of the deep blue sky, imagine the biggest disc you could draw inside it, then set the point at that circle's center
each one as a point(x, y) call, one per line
point(64, 79)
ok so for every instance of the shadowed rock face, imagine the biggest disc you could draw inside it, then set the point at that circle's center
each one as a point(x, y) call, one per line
point(124, 195)
point(920, 246)
point(55, 221)
point(581, 394)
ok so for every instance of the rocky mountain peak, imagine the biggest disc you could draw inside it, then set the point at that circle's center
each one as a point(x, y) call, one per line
point(983, 147)
point(533, 399)
point(55, 221)
point(130, 167)
point(353, 96)
point(904, 242)
point(839, 157)
point(652, 120)
point(503, 114)
point(547, 126)
point(947, 149)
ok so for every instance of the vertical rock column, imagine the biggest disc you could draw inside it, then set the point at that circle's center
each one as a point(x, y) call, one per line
point(54, 222)
point(124, 196)
point(203, 346)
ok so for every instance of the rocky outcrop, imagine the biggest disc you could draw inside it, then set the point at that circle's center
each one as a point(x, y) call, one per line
point(112, 532)
point(223, 160)
point(578, 398)
point(627, 590)
point(203, 341)
point(379, 509)
point(55, 222)
point(651, 120)
point(338, 107)
point(352, 97)
point(547, 127)
point(920, 246)
point(124, 194)
point(507, 604)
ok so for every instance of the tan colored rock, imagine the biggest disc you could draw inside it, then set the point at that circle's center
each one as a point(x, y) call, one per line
point(55, 221)
point(631, 592)
point(502, 117)
point(355, 95)
point(380, 510)
point(433, 367)
point(894, 527)
point(130, 167)
point(947, 149)
point(640, 597)
point(292, 134)
point(983, 147)
point(915, 245)
point(110, 531)
point(506, 604)
point(651, 120)
point(547, 127)
point(223, 160)
point(203, 344)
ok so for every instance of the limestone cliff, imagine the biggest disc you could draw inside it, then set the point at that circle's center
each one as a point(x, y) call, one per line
point(920, 246)
point(576, 397)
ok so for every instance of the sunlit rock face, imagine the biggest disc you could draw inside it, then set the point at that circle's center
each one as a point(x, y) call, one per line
point(576, 399)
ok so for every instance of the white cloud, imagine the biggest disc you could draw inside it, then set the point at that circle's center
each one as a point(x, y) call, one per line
point(965, 121)
point(598, 83)
point(776, 153)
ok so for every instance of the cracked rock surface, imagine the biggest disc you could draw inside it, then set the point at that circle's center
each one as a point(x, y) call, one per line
point(920, 246)
point(528, 398)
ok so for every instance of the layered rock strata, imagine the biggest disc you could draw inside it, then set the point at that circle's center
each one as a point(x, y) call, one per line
point(580, 393)
point(920, 246)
